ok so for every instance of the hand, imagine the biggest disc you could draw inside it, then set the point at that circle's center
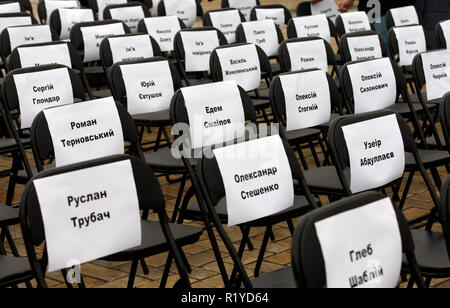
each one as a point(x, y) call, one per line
point(345, 5)
point(316, 1)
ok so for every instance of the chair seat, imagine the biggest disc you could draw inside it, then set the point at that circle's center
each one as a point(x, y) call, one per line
point(163, 161)
point(431, 141)
point(282, 278)
point(323, 180)
point(302, 135)
point(403, 109)
point(102, 93)
point(260, 103)
point(23, 175)
point(154, 241)
point(14, 270)
point(8, 216)
point(326, 126)
point(264, 93)
point(431, 253)
point(94, 70)
point(154, 118)
point(276, 68)
point(430, 158)
point(8, 145)
point(301, 206)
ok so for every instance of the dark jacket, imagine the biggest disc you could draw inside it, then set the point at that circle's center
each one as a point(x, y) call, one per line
point(386, 5)
point(431, 12)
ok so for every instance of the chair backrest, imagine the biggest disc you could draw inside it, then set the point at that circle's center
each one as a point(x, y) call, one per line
point(148, 193)
point(365, 45)
point(226, 20)
point(16, 19)
point(313, 94)
point(45, 8)
point(62, 20)
point(352, 22)
point(129, 13)
point(327, 7)
point(44, 147)
point(312, 26)
point(243, 63)
point(304, 8)
point(244, 6)
point(186, 10)
point(163, 29)
point(12, 6)
point(443, 34)
point(127, 47)
point(263, 33)
point(152, 69)
point(308, 245)
point(98, 6)
point(304, 53)
point(87, 36)
point(277, 12)
point(405, 43)
point(402, 16)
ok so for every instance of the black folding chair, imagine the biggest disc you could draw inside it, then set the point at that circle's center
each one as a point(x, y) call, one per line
point(340, 28)
point(209, 22)
point(140, 11)
point(441, 36)
point(287, 13)
point(390, 22)
point(92, 4)
point(307, 255)
point(345, 48)
point(162, 11)
point(56, 22)
point(157, 236)
point(226, 4)
point(42, 10)
point(13, 270)
point(25, 5)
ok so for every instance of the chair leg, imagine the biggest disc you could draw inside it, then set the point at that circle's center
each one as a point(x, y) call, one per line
point(240, 253)
point(249, 242)
point(436, 178)
point(314, 154)
point(132, 277)
point(10, 240)
point(264, 243)
point(291, 226)
point(302, 157)
point(179, 198)
point(144, 267)
point(407, 187)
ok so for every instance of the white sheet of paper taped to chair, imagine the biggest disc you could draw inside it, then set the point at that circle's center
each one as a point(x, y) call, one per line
point(10, 8)
point(127, 48)
point(43, 55)
point(51, 5)
point(149, 86)
point(368, 258)
point(411, 41)
point(307, 98)
point(257, 179)
point(85, 131)
point(264, 34)
point(226, 22)
point(244, 6)
point(355, 22)
point(163, 30)
point(29, 35)
point(277, 15)
point(327, 7)
point(436, 66)
point(37, 91)
point(129, 15)
point(376, 152)
point(93, 36)
point(70, 17)
point(102, 4)
point(186, 10)
point(103, 222)
point(198, 46)
point(365, 47)
point(308, 54)
point(445, 26)
point(405, 16)
point(313, 26)
point(374, 85)
point(14, 21)
point(241, 63)
point(215, 113)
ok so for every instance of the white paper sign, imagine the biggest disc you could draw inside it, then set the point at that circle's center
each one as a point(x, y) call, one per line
point(313, 26)
point(244, 6)
point(129, 15)
point(215, 113)
point(149, 86)
point(411, 41)
point(51, 5)
point(106, 192)
point(102, 4)
point(307, 98)
point(74, 129)
point(355, 22)
point(376, 153)
point(277, 15)
point(241, 63)
point(405, 16)
point(375, 249)
point(163, 30)
point(10, 8)
point(44, 55)
point(70, 17)
point(226, 22)
point(128, 48)
point(374, 85)
point(198, 46)
point(445, 26)
point(14, 21)
point(93, 36)
point(264, 34)
point(186, 10)
point(29, 35)
point(436, 66)
point(327, 7)
point(364, 47)
point(40, 90)
point(269, 190)
point(308, 54)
